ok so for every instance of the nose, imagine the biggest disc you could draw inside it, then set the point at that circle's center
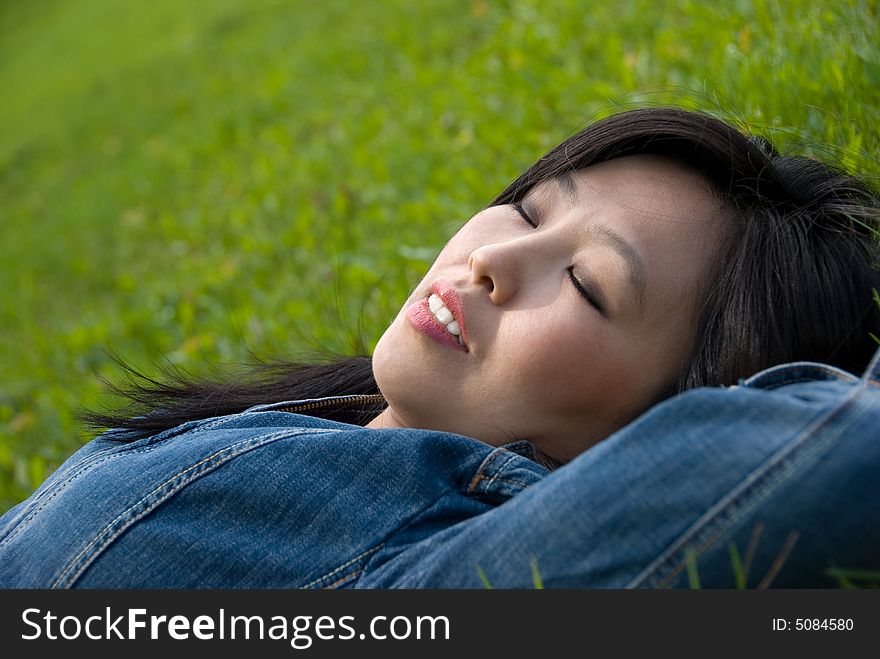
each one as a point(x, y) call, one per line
point(497, 268)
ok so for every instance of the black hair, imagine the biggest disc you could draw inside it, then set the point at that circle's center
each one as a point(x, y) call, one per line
point(797, 278)
point(795, 282)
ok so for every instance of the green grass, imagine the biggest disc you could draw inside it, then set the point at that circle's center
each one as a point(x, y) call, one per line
point(194, 180)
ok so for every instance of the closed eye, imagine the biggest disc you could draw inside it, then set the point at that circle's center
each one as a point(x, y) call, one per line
point(589, 291)
point(525, 215)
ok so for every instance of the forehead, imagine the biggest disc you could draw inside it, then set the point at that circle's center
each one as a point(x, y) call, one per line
point(644, 185)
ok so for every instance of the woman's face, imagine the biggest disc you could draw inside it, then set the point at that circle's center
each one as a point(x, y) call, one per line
point(575, 309)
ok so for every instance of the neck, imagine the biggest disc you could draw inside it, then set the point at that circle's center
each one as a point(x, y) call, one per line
point(387, 418)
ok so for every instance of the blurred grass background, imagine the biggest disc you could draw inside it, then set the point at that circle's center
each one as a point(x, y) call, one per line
point(195, 180)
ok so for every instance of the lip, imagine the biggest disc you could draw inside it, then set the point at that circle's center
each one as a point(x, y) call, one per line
point(421, 318)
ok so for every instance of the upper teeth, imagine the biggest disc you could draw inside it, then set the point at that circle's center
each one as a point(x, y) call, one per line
point(444, 315)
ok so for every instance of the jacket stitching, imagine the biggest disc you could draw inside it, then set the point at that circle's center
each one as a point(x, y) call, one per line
point(779, 376)
point(739, 507)
point(751, 491)
point(480, 477)
point(497, 475)
point(787, 380)
point(156, 497)
point(61, 485)
point(345, 565)
point(346, 579)
point(756, 486)
point(46, 497)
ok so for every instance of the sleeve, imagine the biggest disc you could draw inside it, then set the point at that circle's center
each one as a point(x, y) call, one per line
point(716, 487)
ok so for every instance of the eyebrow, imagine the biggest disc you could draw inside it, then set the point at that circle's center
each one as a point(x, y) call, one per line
point(605, 235)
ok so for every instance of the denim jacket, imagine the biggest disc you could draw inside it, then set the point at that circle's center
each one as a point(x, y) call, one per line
point(264, 498)
point(783, 468)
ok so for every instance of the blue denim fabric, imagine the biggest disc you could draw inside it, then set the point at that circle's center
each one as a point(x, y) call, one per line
point(267, 498)
point(258, 499)
point(787, 463)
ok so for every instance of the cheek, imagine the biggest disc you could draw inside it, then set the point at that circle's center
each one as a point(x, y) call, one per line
point(584, 371)
point(565, 359)
point(576, 387)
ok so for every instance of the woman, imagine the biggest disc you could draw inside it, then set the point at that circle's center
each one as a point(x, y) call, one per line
point(655, 251)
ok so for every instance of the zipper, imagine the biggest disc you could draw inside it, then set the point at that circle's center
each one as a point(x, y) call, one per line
point(338, 401)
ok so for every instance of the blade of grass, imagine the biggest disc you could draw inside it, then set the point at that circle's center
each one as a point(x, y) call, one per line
point(536, 576)
point(484, 578)
point(752, 547)
point(846, 577)
point(781, 557)
point(693, 575)
point(739, 574)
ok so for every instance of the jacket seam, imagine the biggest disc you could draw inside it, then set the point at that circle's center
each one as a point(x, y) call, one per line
point(85, 465)
point(479, 478)
point(75, 567)
point(749, 492)
point(482, 482)
point(347, 564)
point(59, 487)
